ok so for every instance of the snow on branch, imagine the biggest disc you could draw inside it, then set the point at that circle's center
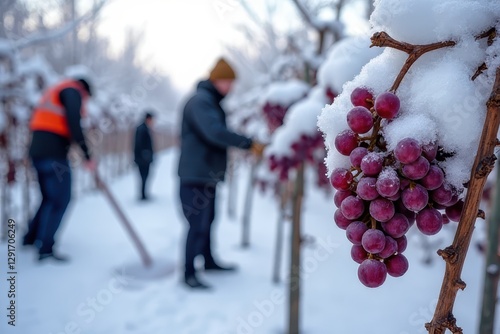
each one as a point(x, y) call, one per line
point(38, 38)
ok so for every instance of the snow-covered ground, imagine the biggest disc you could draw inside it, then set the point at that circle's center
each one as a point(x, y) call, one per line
point(85, 296)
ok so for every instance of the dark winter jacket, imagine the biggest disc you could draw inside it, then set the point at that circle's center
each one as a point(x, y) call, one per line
point(48, 145)
point(143, 145)
point(205, 137)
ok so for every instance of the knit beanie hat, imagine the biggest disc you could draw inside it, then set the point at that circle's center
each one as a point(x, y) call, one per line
point(222, 70)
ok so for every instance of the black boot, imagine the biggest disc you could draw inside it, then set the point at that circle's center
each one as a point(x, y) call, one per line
point(216, 267)
point(44, 257)
point(193, 282)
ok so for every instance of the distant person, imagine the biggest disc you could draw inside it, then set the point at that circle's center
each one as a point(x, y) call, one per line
point(202, 164)
point(55, 124)
point(143, 152)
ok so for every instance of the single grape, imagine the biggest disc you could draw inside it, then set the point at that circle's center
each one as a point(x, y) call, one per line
point(388, 183)
point(407, 151)
point(361, 96)
point(429, 151)
point(401, 208)
point(434, 178)
point(454, 200)
point(443, 194)
point(417, 169)
point(415, 198)
point(340, 195)
point(429, 221)
point(402, 243)
point(454, 212)
point(366, 188)
point(352, 207)
point(446, 219)
point(372, 273)
point(360, 119)
point(341, 179)
point(404, 183)
point(397, 226)
point(358, 253)
point(345, 142)
point(391, 247)
point(382, 209)
point(341, 221)
point(397, 265)
point(373, 241)
point(357, 155)
point(371, 164)
point(355, 231)
point(387, 105)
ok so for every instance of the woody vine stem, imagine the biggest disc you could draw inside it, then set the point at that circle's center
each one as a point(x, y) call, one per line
point(455, 254)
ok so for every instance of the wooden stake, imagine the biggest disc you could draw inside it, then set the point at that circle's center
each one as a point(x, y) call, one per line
point(455, 254)
point(294, 321)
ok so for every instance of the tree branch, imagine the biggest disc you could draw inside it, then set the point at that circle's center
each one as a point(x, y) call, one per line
point(57, 33)
point(382, 39)
point(455, 254)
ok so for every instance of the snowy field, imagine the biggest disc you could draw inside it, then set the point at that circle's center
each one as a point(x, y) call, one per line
point(85, 296)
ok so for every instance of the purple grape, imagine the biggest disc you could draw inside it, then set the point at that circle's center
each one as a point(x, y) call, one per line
point(355, 231)
point(361, 96)
point(371, 164)
point(373, 241)
point(397, 226)
point(358, 253)
point(391, 247)
point(404, 183)
point(401, 208)
point(454, 200)
point(395, 197)
point(341, 179)
point(357, 155)
point(388, 183)
point(345, 142)
point(429, 151)
point(387, 105)
point(352, 207)
point(360, 119)
point(446, 219)
point(443, 194)
point(417, 169)
point(407, 151)
point(454, 212)
point(397, 265)
point(340, 195)
point(382, 209)
point(429, 221)
point(402, 243)
point(366, 188)
point(415, 198)
point(434, 178)
point(341, 221)
point(372, 273)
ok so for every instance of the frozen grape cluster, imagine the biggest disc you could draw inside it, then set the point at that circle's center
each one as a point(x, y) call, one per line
point(385, 192)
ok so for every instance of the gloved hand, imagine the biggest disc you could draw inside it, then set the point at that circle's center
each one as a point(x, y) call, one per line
point(257, 149)
point(90, 165)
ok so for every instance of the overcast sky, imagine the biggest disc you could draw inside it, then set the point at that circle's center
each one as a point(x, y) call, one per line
point(182, 37)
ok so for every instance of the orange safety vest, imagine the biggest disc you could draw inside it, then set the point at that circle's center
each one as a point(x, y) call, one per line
point(49, 115)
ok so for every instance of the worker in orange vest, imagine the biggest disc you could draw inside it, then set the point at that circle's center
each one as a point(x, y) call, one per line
point(54, 126)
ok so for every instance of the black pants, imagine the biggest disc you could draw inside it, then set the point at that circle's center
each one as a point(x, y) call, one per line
point(54, 178)
point(198, 205)
point(144, 173)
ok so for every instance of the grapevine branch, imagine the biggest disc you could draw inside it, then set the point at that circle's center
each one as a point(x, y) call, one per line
point(455, 254)
point(382, 39)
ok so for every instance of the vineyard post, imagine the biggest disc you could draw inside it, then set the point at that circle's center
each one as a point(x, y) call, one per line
point(298, 194)
point(491, 273)
point(455, 254)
